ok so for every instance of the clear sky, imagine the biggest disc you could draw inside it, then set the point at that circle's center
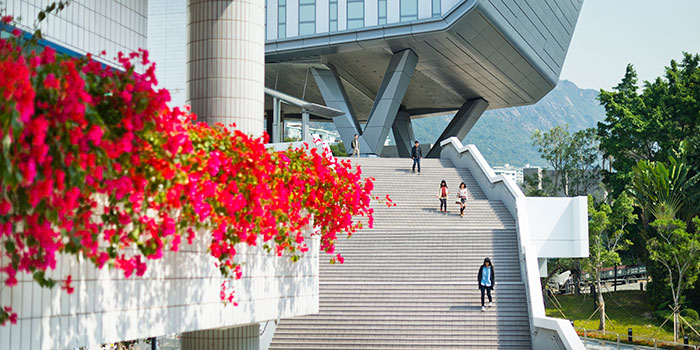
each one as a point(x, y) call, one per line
point(647, 33)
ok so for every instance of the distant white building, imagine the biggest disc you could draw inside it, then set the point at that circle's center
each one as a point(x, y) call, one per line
point(507, 170)
point(293, 130)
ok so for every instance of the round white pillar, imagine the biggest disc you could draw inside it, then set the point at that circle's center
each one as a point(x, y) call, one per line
point(226, 62)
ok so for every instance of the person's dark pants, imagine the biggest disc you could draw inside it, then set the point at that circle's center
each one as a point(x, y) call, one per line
point(443, 203)
point(488, 292)
point(464, 205)
point(416, 161)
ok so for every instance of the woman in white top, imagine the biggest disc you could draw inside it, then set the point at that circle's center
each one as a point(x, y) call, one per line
point(462, 195)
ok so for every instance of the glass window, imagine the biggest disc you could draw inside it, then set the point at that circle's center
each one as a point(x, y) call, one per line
point(436, 8)
point(333, 15)
point(307, 13)
point(307, 17)
point(382, 11)
point(409, 10)
point(282, 19)
point(356, 14)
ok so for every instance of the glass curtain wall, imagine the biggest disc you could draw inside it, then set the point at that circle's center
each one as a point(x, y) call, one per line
point(333, 15)
point(307, 17)
point(437, 8)
point(381, 11)
point(408, 10)
point(356, 14)
point(282, 18)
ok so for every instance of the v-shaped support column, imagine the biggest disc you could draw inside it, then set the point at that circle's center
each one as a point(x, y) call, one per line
point(461, 123)
point(335, 97)
point(403, 133)
point(386, 104)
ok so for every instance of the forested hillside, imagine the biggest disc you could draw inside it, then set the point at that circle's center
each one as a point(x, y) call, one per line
point(503, 135)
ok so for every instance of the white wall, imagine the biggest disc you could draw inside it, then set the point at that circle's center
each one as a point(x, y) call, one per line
point(178, 293)
point(559, 226)
point(88, 25)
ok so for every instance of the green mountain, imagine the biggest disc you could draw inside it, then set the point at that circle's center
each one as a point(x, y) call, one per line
point(503, 135)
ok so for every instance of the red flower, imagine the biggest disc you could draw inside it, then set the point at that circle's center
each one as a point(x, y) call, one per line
point(67, 284)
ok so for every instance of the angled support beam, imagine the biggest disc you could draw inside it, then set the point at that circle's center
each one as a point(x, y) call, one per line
point(403, 133)
point(335, 97)
point(386, 104)
point(461, 123)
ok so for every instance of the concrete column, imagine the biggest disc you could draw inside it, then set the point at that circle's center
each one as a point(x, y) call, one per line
point(277, 126)
point(335, 97)
point(226, 62)
point(403, 133)
point(268, 123)
point(394, 85)
point(239, 338)
point(305, 135)
point(461, 123)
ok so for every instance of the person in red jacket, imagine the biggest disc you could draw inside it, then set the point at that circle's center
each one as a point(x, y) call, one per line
point(442, 195)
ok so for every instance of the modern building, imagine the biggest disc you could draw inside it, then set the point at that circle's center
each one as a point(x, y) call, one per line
point(384, 62)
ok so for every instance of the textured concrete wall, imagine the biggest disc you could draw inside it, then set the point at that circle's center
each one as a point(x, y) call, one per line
point(542, 28)
point(88, 26)
point(226, 62)
point(179, 293)
point(167, 43)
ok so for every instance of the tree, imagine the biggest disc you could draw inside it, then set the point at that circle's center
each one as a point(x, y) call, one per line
point(583, 170)
point(554, 147)
point(607, 227)
point(573, 158)
point(338, 150)
point(677, 250)
point(538, 186)
point(663, 189)
point(650, 124)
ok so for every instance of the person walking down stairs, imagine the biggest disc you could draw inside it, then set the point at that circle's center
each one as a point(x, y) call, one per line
point(416, 154)
point(355, 146)
point(442, 195)
point(486, 281)
point(462, 196)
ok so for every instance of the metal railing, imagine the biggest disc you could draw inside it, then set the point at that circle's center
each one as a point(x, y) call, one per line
point(620, 342)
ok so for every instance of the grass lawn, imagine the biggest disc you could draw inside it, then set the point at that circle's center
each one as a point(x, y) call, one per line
point(626, 309)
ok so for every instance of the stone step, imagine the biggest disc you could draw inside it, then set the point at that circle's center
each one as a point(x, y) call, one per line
point(410, 282)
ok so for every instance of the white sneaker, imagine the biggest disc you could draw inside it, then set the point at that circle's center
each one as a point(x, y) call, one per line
point(483, 309)
point(490, 304)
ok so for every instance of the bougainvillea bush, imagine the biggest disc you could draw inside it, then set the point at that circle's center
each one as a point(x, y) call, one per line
point(94, 163)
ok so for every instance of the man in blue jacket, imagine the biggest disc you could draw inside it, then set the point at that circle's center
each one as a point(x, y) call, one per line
point(416, 154)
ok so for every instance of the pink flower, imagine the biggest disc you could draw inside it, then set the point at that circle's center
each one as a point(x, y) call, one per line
point(95, 135)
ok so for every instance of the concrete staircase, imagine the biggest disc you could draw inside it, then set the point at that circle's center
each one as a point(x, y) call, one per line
point(410, 282)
